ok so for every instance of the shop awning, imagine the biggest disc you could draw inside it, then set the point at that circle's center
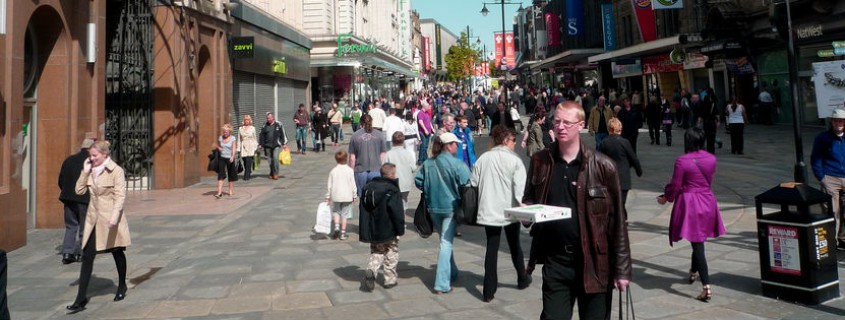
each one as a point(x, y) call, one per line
point(364, 61)
point(642, 49)
point(568, 56)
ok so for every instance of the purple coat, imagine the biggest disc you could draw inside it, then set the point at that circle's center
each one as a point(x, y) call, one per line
point(696, 215)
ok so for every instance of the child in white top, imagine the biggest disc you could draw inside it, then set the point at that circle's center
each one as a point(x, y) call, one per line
point(342, 192)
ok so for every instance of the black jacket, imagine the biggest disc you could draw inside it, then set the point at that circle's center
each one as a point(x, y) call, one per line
point(619, 149)
point(272, 135)
point(382, 214)
point(71, 168)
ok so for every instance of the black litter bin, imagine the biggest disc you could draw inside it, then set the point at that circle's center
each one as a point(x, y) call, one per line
point(797, 245)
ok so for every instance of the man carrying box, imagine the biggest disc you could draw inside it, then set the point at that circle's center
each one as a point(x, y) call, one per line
point(587, 255)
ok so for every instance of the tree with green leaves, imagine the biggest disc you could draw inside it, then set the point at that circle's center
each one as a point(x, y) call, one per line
point(461, 59)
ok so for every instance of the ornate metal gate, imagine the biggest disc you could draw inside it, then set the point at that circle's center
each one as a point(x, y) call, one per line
point(129, 96)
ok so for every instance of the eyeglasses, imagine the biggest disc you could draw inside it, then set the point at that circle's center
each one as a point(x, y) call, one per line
point(567, 124)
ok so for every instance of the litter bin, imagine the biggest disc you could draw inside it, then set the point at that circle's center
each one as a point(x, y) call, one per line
point(797, 245)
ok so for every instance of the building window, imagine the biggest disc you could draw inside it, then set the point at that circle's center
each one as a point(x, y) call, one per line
point(669, 23)
point(626, 38)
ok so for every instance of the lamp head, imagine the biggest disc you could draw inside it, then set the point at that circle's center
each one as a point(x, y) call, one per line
point(484, 10)
point(521, 9)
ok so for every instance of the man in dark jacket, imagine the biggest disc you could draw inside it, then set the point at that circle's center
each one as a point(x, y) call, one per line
point(272, 139)
point(76, 206)
point(585, 255)
point(381, 223)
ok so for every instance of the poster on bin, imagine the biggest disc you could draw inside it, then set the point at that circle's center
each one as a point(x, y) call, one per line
point(784, 256)
point(829, 80)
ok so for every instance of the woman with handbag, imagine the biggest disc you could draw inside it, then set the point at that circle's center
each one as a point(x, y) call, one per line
point(226, 165)
point(696, 215)
point(500, 175)
point(248, 145)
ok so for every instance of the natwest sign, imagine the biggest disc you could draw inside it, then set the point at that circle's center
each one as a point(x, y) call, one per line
point(352, 48)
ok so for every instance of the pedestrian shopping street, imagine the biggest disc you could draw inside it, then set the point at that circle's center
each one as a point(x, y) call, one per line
point(253, 256)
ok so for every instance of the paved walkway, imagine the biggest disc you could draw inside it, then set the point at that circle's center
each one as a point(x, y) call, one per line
point(253, 256)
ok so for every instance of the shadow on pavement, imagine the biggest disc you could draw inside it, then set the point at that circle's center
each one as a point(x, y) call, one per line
point(650, 281)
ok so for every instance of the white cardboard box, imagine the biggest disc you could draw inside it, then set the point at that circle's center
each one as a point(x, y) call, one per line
point(538, 213)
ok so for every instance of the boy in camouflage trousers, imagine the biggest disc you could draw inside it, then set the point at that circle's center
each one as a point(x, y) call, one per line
point(381, 223)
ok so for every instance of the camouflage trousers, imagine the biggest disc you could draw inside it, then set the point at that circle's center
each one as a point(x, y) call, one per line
point(384, 254)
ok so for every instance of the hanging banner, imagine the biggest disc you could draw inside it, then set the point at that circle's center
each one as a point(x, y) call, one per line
point(499, 39)
point(574, 17)
point(645, 19)
point(542, 44)
point(510, 53)
point(426, 54)
point(667, 4)
point(829, 80)
point(739, 66)
point(552, 30)
point(437, 51)
point(485, 68)
point(609, 26)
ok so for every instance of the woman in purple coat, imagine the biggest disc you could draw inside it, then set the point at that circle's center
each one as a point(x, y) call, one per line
point(696, 215)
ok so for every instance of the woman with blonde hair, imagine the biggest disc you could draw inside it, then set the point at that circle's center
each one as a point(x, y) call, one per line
point(620, 150)
point(248, 145)
point(106, 229)
point(226, 166)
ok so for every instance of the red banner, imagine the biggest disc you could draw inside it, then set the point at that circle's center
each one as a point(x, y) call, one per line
point(426, 54)
point(485, 68)
point(660, 63)
point(645, 19)
point(510, 54)
point(497, 36)
point(552, 30)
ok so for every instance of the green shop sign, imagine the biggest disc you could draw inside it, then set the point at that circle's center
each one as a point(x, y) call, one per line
point(280, 66)
point(351, 48)
point(241, 47)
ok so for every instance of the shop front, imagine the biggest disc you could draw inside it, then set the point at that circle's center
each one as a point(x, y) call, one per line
point(348, 70)
point(271, 68)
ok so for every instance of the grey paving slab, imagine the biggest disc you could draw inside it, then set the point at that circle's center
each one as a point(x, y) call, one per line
point(358, 311)
point(305, 300)
point(413, 307)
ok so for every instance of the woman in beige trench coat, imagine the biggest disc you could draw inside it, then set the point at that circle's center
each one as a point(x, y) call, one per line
point(106, 229)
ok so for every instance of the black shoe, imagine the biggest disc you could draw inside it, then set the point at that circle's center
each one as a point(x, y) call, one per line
point(369, 281)
point(77, 307)
point(840, 245)
point(524, 284)
point(68, 258)
point(120, 295)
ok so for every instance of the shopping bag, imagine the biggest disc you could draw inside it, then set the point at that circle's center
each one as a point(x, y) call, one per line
point(467, 212)
point(324, 218)
point(284, 157)
point(422, 220)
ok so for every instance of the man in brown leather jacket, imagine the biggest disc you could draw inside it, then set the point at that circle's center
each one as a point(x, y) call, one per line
point(587, 255)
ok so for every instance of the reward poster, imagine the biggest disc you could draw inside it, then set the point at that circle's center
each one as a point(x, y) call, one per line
point(783, 250)
point(829, 80)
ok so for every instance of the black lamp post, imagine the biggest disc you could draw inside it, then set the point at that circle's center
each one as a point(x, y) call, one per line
point(800, 173)
point(484, 12)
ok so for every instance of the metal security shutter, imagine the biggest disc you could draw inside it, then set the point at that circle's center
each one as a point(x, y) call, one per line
point(265, 99)
point(300, 93)
point(244, 99)
point(287, 104)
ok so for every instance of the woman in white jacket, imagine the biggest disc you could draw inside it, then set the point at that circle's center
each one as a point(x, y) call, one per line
point(500, 177)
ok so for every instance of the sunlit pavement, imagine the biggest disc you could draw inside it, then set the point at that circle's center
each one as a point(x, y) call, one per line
point(252, 255)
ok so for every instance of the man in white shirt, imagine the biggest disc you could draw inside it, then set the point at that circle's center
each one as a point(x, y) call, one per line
point(392, 124)
point(378, 115)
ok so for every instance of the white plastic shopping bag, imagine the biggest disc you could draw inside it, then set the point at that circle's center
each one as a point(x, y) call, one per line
point(324, 218)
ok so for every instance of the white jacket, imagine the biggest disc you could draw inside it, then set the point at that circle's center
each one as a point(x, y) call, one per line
point(341, 185)
point(500, 177)
point(406, 163)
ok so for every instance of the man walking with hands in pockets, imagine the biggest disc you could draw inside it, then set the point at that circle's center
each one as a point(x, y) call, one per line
point(587, 254)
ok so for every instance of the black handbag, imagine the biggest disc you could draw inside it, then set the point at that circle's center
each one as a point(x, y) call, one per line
point(212, 160)
point(422, 220)
point(240, 163)
point(467, 212)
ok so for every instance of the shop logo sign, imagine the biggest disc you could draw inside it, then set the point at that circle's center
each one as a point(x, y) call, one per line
point(809, 32)
point(352, 48)
point(643, 3)
point(280, 66)
point(241, 47)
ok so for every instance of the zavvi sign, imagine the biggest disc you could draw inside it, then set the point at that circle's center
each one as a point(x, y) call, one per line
point(353, 48)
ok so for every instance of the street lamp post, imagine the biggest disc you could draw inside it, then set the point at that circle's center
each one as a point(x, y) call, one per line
point(484, 12)
point(800, 173)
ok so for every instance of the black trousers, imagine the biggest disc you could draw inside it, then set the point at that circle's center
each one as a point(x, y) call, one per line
point(563, 286)
point(624, 201)
point(667, 129)
point(248, 163)
point(74, 223)
point(632, 139)
point(699, 262)
point(89, 252)
point(4, 303)
point(494, 236)
point(654, 131)
point(710, 136)
point(737, 139)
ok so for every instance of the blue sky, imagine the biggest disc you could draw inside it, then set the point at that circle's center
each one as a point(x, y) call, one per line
point(455, 15)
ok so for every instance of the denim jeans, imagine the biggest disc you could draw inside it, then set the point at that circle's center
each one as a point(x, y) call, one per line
point(336, 133)
point(599, 138)
point(273, 154)
point(314, 139)
point(355, 127)
point(423, 155)
point(447, 270)
point(361, 179)
point(301, 136)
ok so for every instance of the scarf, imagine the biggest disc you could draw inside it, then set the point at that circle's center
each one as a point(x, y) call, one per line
point(99, 169)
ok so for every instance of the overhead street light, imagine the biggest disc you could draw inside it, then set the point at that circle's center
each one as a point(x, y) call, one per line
point(484, 12)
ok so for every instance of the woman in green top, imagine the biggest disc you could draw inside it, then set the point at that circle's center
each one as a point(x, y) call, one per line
point(356, 118)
